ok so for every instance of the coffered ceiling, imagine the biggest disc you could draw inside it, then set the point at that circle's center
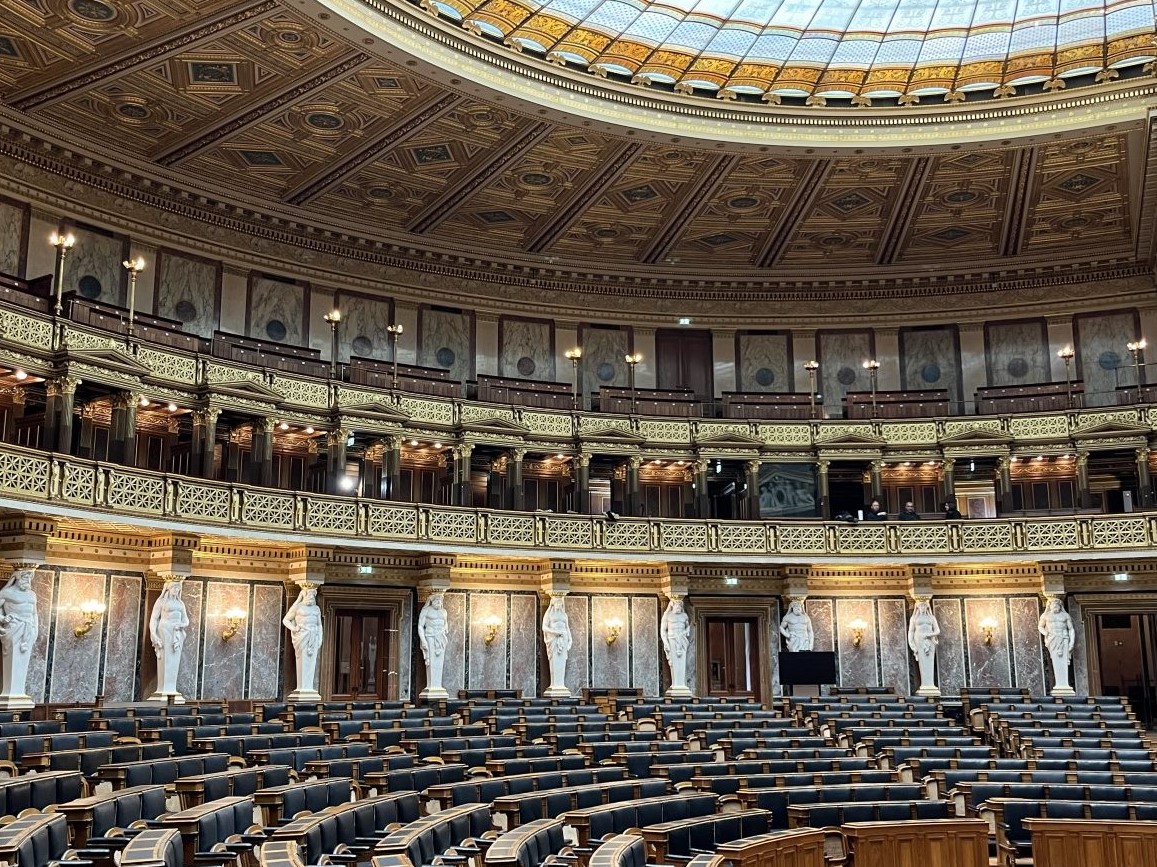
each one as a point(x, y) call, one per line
point(253, 103)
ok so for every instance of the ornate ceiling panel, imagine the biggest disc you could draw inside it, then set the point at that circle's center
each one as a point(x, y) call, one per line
point(255, 103)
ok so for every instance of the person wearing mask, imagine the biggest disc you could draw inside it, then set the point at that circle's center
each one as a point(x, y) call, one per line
point(875, 512)
point(909, 513)
point(951, 513)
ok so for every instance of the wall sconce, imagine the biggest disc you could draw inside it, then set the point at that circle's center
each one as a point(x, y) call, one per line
point(857, 626)
point(988, 627)
point(234, 617)
point(491, 625)
point(90, 610)
point(613, 626)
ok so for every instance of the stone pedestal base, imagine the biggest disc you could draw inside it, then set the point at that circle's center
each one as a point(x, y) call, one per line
point(166, 698)
point(1063, 690)
point(435, 694)
point(928, 690)
point(678, 692)
point(9, 701)
point(304, 695)
point(557, 692)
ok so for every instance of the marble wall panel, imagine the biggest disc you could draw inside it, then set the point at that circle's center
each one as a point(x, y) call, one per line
point(610, 663)
point(602, 362)
point(265, 635)
point(488, 663)
point(526, 349)
point(645, 653)
point(989, 665)
point(401, 672)
point(446, 340)
point(929, 359)
point(223, 672)
point(363, 327)
point(188, 290)
point(765, 362)
point(12, 237)
point(773, 642)
point(951, 673)
point(857, 664)
point(1027, 652)
point(47, 620)
point(1103, 362)
point(277, 311)
point(842, 357)
point(454, 670)
point(822, 615)
point(578, 671)
point(696, 685)
point(93, 267)
point(524, 643)
point(895, 673)
point(1080, 680)
point(76, 659)
point(1017, 353)
point(189, 675)
point(120, 652)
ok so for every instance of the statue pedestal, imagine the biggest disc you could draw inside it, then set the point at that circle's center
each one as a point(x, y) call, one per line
point(11, 701)
point(929, 690)
point(166, 698)
point(557, 692)
point(304, 695)
point(434, 694)
point(678, 692)
point(1063, 690)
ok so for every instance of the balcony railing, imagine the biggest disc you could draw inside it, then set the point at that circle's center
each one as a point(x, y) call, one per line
point(50, 484)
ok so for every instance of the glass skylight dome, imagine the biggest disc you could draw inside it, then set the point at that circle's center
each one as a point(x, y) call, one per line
point(857, 49)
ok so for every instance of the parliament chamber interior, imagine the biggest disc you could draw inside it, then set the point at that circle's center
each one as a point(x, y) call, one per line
point(578, 433)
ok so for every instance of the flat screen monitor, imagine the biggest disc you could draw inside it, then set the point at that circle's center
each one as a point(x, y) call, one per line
point(806, 667)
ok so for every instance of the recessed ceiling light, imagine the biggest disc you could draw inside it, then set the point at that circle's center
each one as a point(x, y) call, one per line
point(144, 401)
point(413, 443)
point(309, 430)
point(172, 407)
point(437, 445)
point(284, 425)
point(20, 374)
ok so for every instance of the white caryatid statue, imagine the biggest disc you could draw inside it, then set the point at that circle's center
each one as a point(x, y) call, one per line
point(1057, 628)
point(556, 635)
point(168, 626)
point(796, 628)
point(433, 632)
point(303, 620)
point(675, 630)
point(19, 628)
point(923, 639)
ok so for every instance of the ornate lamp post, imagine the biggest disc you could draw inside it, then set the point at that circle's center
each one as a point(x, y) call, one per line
point(873, 368)
point(1136, 347)
point(811, 367)
point(134, 267)
point(632, 359)
point(333, 319)
point(1066, 355)
point(394, 330)
point(62, 243)
point(574, 355)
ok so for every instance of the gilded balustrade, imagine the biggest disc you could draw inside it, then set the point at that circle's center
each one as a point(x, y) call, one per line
point(40, 482)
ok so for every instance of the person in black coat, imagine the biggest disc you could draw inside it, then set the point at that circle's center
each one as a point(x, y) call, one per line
point(909, 513)
point(875, 512)
point(951, 513)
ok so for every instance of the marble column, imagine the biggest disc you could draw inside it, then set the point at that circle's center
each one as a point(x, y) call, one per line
point(702, 499)
point(582, 482)
point(496, 488)
point(752, 468)
point(1003, 483)
point(122, 441)
point(517, 499)
point(948, 479)
point(15, 413)
point(1144, 479)
point(391, 467)
point(824, 489)
point(973, 367)
point(204, 442)
point(261, 452)
point(1084, 497)
point(335, 442)
point(462, 495)
point(59, 409)
point(634, 501)
point(875, 471)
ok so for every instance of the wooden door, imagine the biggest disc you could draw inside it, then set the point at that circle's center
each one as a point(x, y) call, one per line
point(683, 359)
point(362, 650)
point(733, 661)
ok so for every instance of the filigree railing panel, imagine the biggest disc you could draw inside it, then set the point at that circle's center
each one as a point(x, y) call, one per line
point(909, 432)
point(452, 526)
point(426, 410)
point(169, 365)
point(801, 539)
point(204, 502)
point(303, 392)
point(1042, 427)
point(135, 493)
point(510, 529)
point(563, 532)
point(915, 536)
point(1051, 535)
point(78, 484)
point(985, 536)
point(683, 537)
point(665, 431)
point(399, 522)
point(743, 538)
point(862, 539)
point(268, 509)
point(333, 516)
point(623, 535)
point(25, 473)
point(35, 332)
point(1120, 533)
point(549, 424)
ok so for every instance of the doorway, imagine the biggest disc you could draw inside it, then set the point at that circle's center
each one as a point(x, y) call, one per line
point(1127, 653)
point(733, 656)
point(362, 652)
